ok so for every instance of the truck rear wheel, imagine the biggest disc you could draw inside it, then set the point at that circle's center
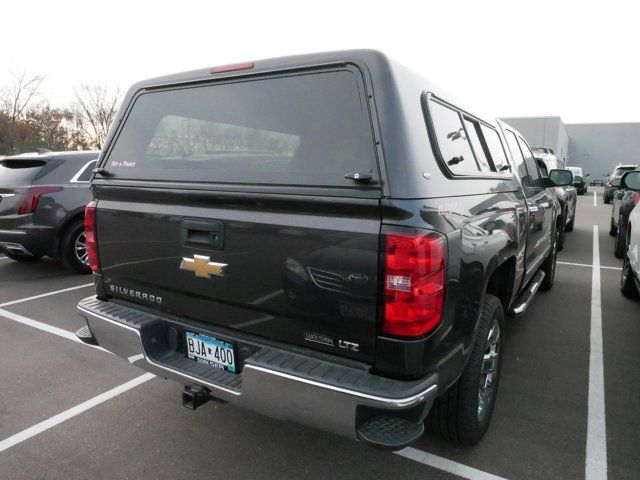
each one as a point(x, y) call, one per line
point(464, 412)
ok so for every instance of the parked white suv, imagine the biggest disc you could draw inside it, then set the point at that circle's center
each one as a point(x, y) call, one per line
point(630, 281)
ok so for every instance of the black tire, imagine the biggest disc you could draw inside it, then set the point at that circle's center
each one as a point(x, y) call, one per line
point(613, 231)
point(561, 235)
point(627, 282)
point(569, 227)
point(22, 258)
point(457, 415)
point(621, 241)
point(71, 235)
point(549, 265)
point(607, 200)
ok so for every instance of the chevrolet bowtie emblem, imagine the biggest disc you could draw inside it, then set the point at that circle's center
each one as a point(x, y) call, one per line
point(203, 266)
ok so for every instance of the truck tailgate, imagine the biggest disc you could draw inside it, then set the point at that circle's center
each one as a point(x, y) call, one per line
point(297, 270)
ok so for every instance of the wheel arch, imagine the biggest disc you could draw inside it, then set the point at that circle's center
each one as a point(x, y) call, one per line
point(500, 281)
point(72, 217)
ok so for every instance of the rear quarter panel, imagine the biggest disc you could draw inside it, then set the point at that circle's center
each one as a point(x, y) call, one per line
point(483, 232)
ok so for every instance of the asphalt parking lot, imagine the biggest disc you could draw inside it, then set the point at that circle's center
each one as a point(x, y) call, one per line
point(71, 411)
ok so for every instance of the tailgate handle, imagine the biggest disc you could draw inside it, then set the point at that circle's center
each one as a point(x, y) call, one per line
point(203, 233)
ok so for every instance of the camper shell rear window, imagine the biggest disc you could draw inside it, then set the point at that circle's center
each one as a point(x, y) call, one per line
point(308, 129)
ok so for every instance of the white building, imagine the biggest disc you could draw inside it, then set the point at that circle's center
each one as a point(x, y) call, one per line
point(596, 147)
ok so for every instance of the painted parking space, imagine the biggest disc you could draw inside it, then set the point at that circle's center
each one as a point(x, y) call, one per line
point(58, 310)
point(22, 280)
point(43, 374)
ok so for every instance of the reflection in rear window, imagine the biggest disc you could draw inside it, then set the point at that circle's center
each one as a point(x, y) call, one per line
point(309, 129)
point(184, 137)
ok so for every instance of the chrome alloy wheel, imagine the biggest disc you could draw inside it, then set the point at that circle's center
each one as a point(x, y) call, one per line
point(80, 249)
point(489, 370)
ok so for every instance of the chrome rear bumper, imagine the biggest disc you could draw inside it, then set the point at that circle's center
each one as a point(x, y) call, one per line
point(274, 382)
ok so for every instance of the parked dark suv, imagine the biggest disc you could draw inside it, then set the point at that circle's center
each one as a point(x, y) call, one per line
point(326, 239)
point(613, 182)
point(579, 184)
point(567, 196)
point(42, 200)
point(624, 201)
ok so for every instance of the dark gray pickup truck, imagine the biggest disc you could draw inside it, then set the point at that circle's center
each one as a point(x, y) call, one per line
point(325, 239)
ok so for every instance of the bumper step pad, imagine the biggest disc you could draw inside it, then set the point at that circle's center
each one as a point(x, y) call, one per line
point(390, 433)
point(85, 335)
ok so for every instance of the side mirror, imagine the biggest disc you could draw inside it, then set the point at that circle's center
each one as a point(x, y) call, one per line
point(561, 178)
point(631, 181)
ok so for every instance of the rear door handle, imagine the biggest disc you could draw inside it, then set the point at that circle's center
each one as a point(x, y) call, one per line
point(203, 233)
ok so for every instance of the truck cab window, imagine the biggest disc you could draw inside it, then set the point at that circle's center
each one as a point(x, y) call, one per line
point(496, 149)
point(473, 132)
point(452, 139)
point(530, 162)
point(518, 158)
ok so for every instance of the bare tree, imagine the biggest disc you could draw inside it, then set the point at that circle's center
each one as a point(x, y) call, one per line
point(17, 97)
point(95, 107)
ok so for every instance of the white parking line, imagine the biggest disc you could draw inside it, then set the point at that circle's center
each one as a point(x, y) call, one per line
point(595, 200)
point(588, 265)
point(596, 456)
point(72, 412)
point(35, 297)
point(2, 257)
point(446, 465)
point(45, 327)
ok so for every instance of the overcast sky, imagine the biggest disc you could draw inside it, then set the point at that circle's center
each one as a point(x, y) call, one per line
point(579, 60)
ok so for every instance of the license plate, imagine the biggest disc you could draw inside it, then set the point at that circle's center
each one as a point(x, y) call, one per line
point(212, 351)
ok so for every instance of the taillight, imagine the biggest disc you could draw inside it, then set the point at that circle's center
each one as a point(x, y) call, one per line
point(414, 283)
point(90, 235)
point(31, 198)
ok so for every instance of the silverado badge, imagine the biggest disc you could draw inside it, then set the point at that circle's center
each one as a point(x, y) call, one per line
point(203, 266)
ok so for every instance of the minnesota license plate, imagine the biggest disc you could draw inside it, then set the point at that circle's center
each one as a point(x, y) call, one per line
point(209, 350)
